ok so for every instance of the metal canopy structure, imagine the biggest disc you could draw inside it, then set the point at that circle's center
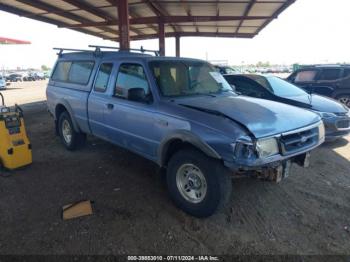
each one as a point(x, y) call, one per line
point(125, 20)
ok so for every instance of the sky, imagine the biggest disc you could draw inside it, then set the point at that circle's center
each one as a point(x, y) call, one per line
point(309, 31)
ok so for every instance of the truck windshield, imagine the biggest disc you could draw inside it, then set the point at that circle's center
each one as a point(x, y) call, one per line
point(186, 78)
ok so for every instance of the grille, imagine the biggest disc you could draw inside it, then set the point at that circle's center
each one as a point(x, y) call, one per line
point(297, 141)
point(343, 124)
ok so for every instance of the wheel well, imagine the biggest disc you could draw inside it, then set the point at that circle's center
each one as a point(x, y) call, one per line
point(173, 147)
point(59, 110)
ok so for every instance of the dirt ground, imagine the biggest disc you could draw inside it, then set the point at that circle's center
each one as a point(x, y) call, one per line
point(308, 213)
point(25, 92)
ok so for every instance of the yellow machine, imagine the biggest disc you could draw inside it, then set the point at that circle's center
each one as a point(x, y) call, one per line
point(15, 148)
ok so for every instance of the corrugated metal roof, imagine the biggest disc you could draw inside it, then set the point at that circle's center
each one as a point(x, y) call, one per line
point(222, 18)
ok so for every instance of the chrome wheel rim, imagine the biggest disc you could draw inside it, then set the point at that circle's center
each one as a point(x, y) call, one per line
point(66, 131)
point(191, 183)
point(345, 100)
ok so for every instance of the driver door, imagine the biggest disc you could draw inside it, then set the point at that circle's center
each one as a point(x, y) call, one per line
point(131, 123)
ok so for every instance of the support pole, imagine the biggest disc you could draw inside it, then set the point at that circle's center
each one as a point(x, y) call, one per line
point(177, 46)
point(123, 17)
point(161, 35)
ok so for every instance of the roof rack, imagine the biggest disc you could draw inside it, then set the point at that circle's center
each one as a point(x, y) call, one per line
point(142, 50)
point(98, 48)
point(61, 50)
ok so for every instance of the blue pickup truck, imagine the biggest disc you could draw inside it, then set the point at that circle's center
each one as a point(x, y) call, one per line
point(181, 114)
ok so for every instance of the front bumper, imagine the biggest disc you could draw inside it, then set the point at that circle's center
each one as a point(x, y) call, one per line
point(283, 170)
point(336, 127)
point(294, 146)
point(270, 162)
point(275, 171)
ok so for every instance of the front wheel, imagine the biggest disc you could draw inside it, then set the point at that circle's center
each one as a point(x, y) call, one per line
point(198, 184)
point(69, 137)
point(344, 99)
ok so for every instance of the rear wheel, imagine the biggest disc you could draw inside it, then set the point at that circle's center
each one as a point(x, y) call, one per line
point(344, 99)
point(198, 184)
point(69, 137)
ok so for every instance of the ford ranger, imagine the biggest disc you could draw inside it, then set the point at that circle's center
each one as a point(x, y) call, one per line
point(181, 114)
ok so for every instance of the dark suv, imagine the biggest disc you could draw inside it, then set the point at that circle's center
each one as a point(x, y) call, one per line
point(328, 80)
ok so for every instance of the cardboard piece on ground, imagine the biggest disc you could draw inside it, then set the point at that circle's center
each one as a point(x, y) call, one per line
point(75, 210)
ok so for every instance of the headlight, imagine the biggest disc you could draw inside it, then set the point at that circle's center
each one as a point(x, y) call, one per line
point(326, 114)
point(321, 131)
point(267, 147)
point(244, 148)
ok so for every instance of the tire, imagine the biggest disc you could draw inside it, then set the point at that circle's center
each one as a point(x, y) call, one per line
point(205, 200)
point(69, 137)
point(344, 99)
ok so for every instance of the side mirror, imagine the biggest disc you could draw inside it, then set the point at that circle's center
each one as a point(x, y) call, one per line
point(137, 94)
point(233, 87)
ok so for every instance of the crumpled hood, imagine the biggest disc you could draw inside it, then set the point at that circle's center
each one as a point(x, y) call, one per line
point(262, 117)
point(320, 103)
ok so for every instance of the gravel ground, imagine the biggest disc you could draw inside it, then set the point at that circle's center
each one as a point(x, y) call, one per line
point(308, 213)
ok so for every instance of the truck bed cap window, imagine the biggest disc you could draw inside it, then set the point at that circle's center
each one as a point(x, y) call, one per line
point(77, 72)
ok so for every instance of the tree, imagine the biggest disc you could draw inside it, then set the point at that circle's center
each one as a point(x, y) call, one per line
point(263, 64)
point(45, 68)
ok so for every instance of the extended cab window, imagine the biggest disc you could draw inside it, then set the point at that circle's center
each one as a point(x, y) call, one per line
point(74, 72)
point(305, 76)
point(103, 76)
point(130, 76)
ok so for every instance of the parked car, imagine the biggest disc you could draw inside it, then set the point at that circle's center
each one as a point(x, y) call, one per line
point(181, 114)
point(47, 74)
point(14, 78)
point(335, 115)
point(29, 77)
point(328, 80)
point(38, 76)
point(2, 82)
